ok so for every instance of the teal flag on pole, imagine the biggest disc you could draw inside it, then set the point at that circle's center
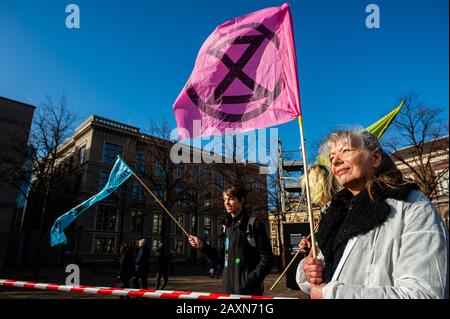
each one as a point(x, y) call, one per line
point(119, 174)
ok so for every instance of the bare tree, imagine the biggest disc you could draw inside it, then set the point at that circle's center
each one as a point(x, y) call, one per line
point(274, 205)
point(52, 125)
point(418, 128)
point(15, 158)
point(166, 177)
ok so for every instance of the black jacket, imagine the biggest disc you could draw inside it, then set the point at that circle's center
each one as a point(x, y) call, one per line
point(162, 260)
point(142, 260)
point(126, 269)
point(245, 266)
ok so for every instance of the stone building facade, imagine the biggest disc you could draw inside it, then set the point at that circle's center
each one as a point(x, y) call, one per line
point(131, 214)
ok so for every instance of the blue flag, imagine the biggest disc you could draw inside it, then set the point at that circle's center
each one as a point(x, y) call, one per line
point(119, 174)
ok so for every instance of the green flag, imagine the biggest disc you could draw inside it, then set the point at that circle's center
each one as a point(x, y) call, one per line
point(379, 127)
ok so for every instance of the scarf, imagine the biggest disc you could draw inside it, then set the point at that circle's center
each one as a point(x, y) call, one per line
point(349, 216)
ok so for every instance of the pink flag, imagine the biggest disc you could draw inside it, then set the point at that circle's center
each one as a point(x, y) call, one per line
point(244, 78)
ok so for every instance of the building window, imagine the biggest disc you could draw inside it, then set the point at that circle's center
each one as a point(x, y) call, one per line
point(207, 197)
point(110, 152)
point(160, 190)
point(180, 219)
point(220, 181)
point(180, 170)
point(82, 154)
point(207, 225)
point(159, 169)
point(155, 244)
point(106, 218)
point(136, 220)
point(157, 223)
point(254, 185)
point(194, 225)
point(179, 246)
point(442, 186)
point(141, 161)
point(273, 227)
point(275, 248)
point(138, 192)
point(179, 192)
point(194, 176)
point(207, 176)
point(104, 245)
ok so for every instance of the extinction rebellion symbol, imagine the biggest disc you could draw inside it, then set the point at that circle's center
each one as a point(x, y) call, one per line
point(260, 93)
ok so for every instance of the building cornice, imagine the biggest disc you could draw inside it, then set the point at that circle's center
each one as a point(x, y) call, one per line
point(18, 102)
point(117, 127)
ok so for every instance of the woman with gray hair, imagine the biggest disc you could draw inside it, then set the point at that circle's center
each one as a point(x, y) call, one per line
point(380, 237)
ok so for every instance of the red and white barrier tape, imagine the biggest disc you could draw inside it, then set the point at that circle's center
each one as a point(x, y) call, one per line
point(146, 293)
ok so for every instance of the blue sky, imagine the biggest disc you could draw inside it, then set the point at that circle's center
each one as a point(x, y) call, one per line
point(130, 59)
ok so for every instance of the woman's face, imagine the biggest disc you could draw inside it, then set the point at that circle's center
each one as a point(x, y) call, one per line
point(351, 166)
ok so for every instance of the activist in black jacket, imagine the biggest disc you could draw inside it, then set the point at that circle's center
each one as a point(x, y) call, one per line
point(245, 251)
point(244, 266)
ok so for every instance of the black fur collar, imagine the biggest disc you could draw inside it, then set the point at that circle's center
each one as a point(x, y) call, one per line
point(349, 216)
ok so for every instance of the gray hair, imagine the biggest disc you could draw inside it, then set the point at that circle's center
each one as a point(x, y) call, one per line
point(361, 139)
point(385, 175)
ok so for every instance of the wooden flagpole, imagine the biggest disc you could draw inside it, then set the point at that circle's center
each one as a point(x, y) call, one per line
point(161, 204)
point(308, 197)
point(303, 148)
point(289, 265)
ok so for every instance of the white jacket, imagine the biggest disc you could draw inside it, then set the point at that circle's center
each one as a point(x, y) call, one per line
point(405, 257)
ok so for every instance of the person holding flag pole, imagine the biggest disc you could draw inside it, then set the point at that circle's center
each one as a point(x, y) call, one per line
point(324, 185)
point(380, 236)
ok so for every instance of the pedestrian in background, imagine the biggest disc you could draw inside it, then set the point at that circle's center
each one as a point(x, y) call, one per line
point(162, 267)
point(172, 262)
point(142, 266)
point(126, 267)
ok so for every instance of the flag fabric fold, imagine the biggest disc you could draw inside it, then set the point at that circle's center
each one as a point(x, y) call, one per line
point(244, 77)
point(119, 174)
point(379, 127)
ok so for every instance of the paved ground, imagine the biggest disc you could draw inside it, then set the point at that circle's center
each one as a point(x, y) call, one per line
point(186, 279)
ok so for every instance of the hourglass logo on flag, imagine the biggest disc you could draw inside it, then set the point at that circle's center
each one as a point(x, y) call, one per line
point(244, 78)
